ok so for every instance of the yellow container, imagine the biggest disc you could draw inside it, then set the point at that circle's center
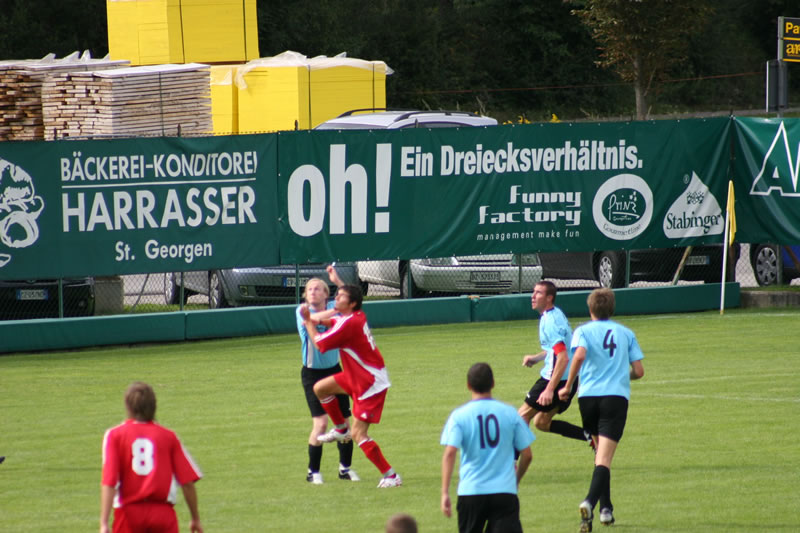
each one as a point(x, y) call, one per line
point(273, 98)
point(289, 90)
point(224, 100)
point(337, 87)
point(148, 32)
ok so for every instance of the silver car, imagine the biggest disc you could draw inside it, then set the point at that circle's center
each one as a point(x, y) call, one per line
point(237, 287)
point(472, 274)
point(475, 274)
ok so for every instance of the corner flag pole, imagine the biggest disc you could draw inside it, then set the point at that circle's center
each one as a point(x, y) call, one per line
point(730, 233)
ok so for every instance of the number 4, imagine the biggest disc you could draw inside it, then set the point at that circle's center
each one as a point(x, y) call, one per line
point(608, 343)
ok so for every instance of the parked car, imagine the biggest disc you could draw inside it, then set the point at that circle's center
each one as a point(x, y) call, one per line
point(22, 299)
point(656, 264)
point(764, 259)
point(236, 287)
point(473, 274)
point(395, 119)
point(497, 273)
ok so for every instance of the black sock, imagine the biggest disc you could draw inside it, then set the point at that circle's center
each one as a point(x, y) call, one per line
point(568, 430)
point(600, 486)
point(314, 457)
point(345, 453)
point(605, 497)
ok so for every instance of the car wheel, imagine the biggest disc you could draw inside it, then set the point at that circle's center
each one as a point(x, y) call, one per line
point(765, 264)
point(216, 296)
point(172, 292)
point(609, 270)
point(404, 285)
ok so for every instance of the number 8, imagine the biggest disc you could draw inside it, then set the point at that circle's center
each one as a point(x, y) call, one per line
point(142, 462)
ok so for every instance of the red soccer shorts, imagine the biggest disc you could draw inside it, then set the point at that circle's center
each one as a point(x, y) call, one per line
point(369, 409)
point(155, 517)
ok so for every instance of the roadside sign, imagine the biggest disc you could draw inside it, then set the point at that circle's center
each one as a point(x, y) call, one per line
point(789, 39)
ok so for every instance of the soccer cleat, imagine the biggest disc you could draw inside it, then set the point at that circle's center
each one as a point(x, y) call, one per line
point(590, 440)
point(606, 516)
point(334, 435)
point(314, 477)
point(390, 481)
point(348, 474)
point(586, 516)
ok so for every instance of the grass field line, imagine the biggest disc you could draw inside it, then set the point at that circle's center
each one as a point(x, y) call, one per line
point(715, 397)
point(713, 316)
point(712, 378)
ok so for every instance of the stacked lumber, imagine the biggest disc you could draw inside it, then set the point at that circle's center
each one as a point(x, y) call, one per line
point(138, 101)
point(21, 83)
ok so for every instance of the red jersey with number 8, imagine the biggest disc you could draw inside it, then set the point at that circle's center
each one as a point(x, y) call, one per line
point(146, 462)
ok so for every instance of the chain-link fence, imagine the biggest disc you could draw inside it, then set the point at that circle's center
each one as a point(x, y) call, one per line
point(755, 265)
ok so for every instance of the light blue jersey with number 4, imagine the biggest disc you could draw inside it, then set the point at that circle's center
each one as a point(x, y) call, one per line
point(487, 432)
point(610, 350)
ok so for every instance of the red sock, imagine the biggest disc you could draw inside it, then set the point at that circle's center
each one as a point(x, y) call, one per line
point(331, 406)
point(373, 453)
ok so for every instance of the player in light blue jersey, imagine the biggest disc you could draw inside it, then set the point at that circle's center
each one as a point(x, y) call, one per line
point(488, 433)
point(317, 366)
point(542, 402)
point(607, 357)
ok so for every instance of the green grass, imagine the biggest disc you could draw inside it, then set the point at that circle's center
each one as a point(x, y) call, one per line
point(710, 445)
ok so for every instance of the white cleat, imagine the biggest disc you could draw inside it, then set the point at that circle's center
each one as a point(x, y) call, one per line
point(390, 481)
point(348, 474)
point(586, 516)
point(314, 478)
point(334, 435)
point(606, 516)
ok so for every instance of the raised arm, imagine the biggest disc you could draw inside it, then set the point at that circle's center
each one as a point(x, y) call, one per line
point(334, 276)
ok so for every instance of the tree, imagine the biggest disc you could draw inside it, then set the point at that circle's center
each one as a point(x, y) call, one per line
point(643, 39)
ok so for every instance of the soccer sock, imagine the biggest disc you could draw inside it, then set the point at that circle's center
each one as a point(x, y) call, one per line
point(314, 457)
point(601, 483)
point(331, 406)
point(374, 454)
point(567, 430)
point(605, 496)
point(345, 453)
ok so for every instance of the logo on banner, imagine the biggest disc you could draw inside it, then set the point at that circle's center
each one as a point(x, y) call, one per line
point(779, 169)
point(20, 207)
point(695, 213)
point(623, 207)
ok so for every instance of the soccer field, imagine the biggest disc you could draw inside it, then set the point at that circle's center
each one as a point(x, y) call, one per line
point(711, 442)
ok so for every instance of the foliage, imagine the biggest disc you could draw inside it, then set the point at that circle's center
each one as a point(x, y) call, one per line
point(30, 29)
point(503, 57)
point(238, 406)
point(643, 40)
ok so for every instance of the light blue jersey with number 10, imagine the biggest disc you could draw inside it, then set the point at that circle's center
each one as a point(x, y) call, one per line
point(487, 432)
point(610, 350)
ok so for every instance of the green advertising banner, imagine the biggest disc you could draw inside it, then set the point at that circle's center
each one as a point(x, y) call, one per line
point(766, 166)
point(103, 207)
point(546, 187)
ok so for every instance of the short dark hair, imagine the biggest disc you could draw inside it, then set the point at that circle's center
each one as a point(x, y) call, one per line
point(354, 294)
point(549, 288)
point(480, 378)
point(140, 400)
point(401, 523)
point(601, 303)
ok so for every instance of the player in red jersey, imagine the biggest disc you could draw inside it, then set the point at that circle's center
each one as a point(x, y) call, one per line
point(143, 464)
point(363, 376)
